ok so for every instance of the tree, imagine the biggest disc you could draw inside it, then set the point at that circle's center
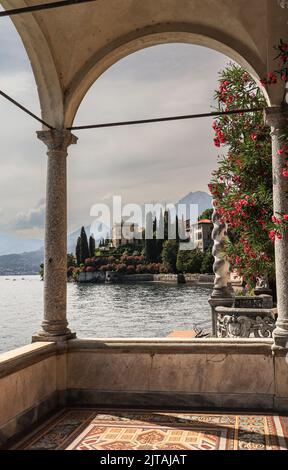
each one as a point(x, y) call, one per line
point(152, 246)
point(242, 184)
point(206, 215)
point(71, 260)
point(189, 261)
point(207, 263)
point(41, 271)
point(92, 246)
point(77, 251)
point(169, 255)
point(84, 248)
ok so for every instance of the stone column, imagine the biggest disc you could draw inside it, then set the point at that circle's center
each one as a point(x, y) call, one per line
point(55, 325)
point(277, 119)
point(222, 295)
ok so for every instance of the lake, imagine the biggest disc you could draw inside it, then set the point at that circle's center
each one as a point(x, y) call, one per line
point(103, 310)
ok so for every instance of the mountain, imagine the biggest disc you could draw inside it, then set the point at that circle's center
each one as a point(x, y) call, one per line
point(24, 263)
point(200, 198)
point(28, 262)
point(12, 244)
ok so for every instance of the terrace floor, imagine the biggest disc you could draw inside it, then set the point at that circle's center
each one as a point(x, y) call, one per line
point(103, 429)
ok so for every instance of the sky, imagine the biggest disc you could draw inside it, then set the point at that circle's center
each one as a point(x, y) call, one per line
point(143, 164)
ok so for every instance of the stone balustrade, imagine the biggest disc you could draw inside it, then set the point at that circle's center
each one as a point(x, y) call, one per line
point(249, 317)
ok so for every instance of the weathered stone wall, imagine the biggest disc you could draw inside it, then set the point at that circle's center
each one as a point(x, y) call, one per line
point(30, 379)
point(98, 276)
point(196, 373)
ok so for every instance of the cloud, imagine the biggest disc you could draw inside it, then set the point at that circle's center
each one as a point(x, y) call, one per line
point(33, 218)
point(141, 163)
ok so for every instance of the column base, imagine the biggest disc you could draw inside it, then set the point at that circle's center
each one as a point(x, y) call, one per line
point(223, 293)
point(46, 337)
point(280, 337)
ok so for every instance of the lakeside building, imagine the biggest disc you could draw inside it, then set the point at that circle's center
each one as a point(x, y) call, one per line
point(124, 234)
point(200, 234)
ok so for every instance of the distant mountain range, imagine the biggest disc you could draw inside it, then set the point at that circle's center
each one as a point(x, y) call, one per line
point(24, 263)
point(20, 256)
point(11, 244)
point(203, 200)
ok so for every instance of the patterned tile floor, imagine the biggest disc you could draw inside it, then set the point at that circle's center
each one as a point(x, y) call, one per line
point(96, 429)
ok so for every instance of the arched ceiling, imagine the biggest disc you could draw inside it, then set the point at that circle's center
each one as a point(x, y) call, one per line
point(70, 47)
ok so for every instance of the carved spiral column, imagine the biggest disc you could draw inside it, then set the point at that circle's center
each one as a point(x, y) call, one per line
point(221, 265)
point(222, 295)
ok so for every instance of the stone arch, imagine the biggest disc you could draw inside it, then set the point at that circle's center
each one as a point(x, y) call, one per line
point(163, 34)
point(42, 62)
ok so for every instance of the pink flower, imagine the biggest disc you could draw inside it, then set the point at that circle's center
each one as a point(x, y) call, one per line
point(272, 235)
point(285, 217)
point(275, 220)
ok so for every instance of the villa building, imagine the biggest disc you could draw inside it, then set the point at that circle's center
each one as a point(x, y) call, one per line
point(123, 234)
point(201, 234)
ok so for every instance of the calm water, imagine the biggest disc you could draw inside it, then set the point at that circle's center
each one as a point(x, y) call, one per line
point(145, 310)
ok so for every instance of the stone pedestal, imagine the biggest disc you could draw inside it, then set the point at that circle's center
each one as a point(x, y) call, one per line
point(55, 325)
point(277, 119)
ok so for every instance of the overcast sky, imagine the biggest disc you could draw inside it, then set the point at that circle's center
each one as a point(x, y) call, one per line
point(159, 162)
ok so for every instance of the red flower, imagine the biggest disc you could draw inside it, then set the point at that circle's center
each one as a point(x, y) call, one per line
point(254, 136)
point(285, 172)
point(282, 150)
point(275, 220)
point(272, 235)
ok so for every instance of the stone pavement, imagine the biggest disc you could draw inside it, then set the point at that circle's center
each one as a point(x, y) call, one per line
point(102, 429)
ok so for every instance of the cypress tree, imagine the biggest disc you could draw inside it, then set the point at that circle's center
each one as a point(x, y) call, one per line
point(77, 251)
point(166, 224)
point(84, 248)
point(177, 229)
point(92, 246)
point(150, 244)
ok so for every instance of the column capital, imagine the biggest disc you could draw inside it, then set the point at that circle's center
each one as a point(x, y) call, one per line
point(57, 140)
point(276, 117)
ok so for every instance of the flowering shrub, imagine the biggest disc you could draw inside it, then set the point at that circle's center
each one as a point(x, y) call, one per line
point(242, 184)
point(131, 269)
point(282, 71)
point(121, 268)
point(90, 269)
point(125, 265)
point(132, 260)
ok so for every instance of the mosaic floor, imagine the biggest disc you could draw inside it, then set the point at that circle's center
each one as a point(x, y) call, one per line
point(95, 429)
